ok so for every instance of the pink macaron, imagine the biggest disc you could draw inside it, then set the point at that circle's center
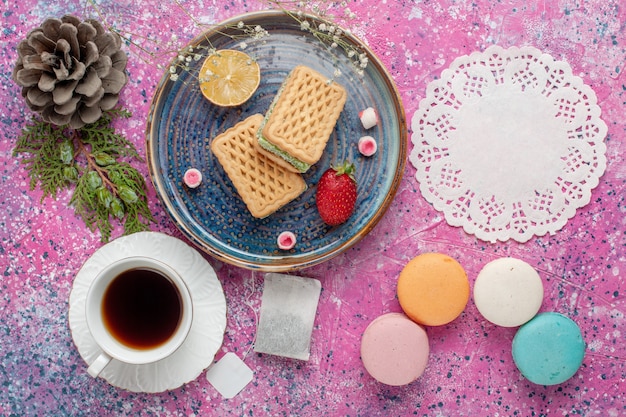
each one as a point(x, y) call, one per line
point(394, 349)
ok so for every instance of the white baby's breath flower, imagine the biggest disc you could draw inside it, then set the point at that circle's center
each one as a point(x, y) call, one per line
point(326, 32)
point(259, 32)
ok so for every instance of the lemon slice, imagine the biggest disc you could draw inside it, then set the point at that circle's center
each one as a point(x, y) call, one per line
point(229, 77)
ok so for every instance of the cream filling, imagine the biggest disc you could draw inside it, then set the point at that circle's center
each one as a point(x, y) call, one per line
point(270, 147)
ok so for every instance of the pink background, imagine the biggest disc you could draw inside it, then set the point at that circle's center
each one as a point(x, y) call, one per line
point(471, 371)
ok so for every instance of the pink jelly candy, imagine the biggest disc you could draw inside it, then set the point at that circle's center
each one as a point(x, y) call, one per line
point(286, 240)
point(192, 178)
point(367, 146)
point(369, 117)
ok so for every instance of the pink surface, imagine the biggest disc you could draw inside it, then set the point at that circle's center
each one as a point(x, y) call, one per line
point(471, 370)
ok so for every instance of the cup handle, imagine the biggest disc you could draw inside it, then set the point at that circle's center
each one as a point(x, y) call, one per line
point(98, 365)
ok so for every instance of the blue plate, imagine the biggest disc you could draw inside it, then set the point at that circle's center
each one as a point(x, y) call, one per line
point(182, 123)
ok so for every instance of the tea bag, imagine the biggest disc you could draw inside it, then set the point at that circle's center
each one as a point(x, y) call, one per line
point(288, 309)
point(229, 375)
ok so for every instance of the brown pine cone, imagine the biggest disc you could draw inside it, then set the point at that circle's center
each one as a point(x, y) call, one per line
point(70, 70)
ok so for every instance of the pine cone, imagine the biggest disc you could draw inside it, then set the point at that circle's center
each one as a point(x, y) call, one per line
point(70, 71)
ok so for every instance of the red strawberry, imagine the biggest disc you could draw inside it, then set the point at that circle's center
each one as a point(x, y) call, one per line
point(336, 194)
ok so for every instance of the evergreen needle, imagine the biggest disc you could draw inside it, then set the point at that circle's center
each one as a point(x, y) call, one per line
point(106, 188)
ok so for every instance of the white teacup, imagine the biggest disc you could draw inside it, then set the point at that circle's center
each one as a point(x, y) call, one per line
point(138, 311)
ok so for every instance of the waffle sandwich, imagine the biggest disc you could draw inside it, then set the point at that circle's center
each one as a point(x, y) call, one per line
point(263, 185)
point(301, 118)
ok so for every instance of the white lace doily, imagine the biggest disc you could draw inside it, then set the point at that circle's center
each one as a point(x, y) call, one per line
point(508, 144)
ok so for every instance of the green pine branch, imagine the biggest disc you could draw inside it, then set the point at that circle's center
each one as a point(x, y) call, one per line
point(107, 190)
point(40, 141)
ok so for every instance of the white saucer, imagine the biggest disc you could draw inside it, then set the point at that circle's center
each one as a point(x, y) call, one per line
point(209, 313)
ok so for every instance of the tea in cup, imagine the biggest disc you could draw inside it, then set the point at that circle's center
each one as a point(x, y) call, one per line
point(139, 311)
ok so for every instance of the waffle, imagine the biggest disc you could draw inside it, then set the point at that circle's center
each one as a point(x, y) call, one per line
point(263, 185)
point(301, 118)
